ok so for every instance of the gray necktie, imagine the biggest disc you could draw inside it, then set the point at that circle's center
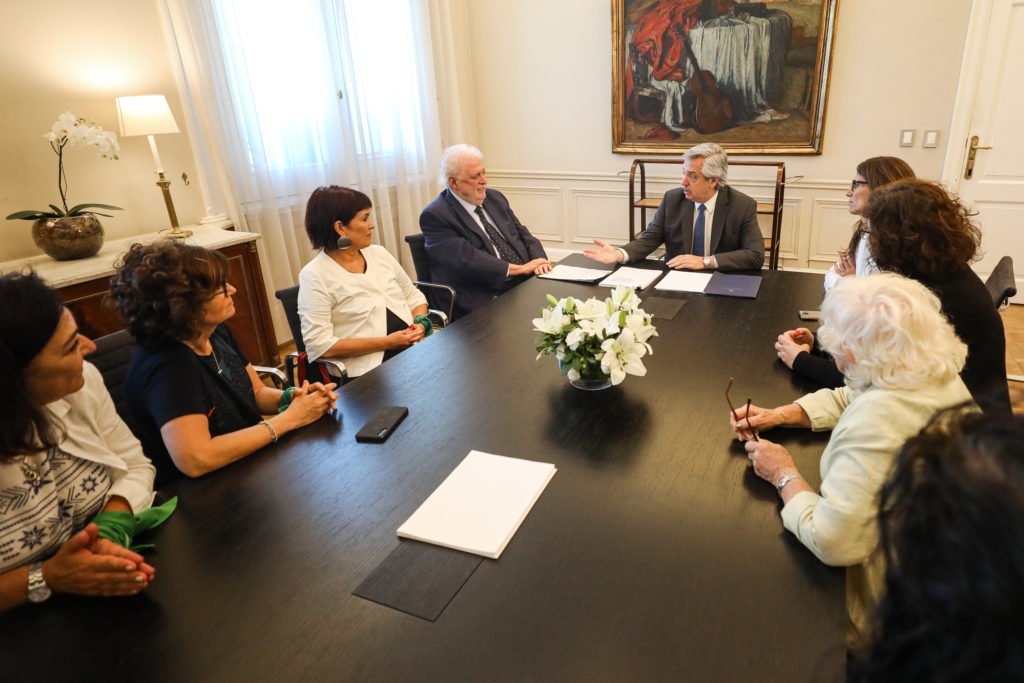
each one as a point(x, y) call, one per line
point(504, 248)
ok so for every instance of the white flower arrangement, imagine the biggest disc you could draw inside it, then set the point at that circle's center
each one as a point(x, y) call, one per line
point(596, 337)
point(73, 131)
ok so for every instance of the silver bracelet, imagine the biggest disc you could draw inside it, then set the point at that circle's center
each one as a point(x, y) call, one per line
point(270, 427)
point(785, 480)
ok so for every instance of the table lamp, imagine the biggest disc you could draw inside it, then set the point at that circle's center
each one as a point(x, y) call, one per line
point(150, 115)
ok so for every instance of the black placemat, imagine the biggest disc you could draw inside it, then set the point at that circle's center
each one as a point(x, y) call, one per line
point(662, 307)
point(418, 578)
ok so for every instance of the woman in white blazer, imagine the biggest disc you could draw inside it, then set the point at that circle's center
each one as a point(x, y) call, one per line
point(901, 359)
point(356, 302)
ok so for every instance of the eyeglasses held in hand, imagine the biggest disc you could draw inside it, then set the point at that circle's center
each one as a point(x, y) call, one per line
point(734, 415)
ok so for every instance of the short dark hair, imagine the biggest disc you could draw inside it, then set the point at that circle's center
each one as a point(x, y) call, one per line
point(920, 230)
point(951, 524)
point(29, 315)
point(160, 289)
point(327, 205)
point(878, 171)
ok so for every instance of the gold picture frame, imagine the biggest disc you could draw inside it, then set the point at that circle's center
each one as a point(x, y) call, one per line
point(769, 96)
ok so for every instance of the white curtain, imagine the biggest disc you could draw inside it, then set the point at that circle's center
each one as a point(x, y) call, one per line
point(281, 98)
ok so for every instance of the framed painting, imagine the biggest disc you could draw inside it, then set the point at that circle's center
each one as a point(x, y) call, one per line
point(751, 76)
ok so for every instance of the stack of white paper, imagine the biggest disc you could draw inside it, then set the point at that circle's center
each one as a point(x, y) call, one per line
point(680, 281)
point(638, 278)
point(480, 505)
point(575, 274)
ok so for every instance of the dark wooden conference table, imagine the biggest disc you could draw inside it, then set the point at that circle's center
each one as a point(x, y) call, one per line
point(654, 554)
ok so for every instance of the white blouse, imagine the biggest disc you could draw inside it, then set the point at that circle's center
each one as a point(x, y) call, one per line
point(865, 264)
point(335, 304)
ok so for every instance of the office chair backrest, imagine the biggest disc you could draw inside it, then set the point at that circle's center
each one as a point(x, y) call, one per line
point(111, 357)
point(418, 246)
point(1001, 283)
point(289, 298)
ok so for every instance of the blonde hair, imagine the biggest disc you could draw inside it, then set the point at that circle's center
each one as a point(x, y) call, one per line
point(894, 329)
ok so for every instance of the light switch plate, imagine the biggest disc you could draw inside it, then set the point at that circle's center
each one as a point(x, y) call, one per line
point(931, 138)
point(907, 137)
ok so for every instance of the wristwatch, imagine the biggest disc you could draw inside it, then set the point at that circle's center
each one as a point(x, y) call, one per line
point(707, 262)
point(38, 591)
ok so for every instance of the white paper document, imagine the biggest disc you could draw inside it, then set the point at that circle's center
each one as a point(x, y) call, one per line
point(681, 281)
point(480, 505)
point(574, 274)
point(638, 278)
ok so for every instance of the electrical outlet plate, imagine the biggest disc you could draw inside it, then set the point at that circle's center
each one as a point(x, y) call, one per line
point(907, 137)
point(931, 138)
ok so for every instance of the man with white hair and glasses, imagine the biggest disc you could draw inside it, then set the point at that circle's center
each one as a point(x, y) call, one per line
point(704, 224)
point(474, 242)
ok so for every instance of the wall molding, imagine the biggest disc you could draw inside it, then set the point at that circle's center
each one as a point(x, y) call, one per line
point(672, 180)
point(542, 191)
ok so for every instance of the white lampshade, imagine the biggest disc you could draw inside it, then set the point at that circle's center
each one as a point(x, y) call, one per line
point(145, 115)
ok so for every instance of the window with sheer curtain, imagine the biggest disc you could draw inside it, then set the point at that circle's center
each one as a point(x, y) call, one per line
point(314, 83)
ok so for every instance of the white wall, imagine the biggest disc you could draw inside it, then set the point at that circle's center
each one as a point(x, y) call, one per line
point(57, 55)
point(542, 83)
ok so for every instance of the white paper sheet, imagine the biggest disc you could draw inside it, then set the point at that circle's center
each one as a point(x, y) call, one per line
point(681, 281)
point(481, 504)
point(574, 274)
point(638, 278)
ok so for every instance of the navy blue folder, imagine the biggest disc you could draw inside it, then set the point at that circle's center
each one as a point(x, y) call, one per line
point(727, 284)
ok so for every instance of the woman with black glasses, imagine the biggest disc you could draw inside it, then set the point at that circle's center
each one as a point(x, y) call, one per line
point(796, 347)
point(196, 402)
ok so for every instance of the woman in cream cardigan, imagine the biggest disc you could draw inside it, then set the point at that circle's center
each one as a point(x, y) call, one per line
point(901, 359)
point(355, 301)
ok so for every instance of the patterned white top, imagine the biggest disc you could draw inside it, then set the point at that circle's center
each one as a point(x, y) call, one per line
point(38, 513)
point(98, 458)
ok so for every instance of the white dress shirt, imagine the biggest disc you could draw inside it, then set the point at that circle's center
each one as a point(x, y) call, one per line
point(471, 208)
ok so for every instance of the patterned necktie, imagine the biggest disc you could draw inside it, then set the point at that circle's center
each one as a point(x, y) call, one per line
point(698, 232)
point(504, 248)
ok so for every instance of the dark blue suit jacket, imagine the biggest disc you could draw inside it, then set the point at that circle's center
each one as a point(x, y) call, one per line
point(462, 257)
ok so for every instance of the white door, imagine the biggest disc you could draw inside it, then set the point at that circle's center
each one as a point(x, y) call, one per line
point(990, 99)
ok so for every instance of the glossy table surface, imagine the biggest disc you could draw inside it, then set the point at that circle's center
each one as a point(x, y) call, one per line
point(654, 553)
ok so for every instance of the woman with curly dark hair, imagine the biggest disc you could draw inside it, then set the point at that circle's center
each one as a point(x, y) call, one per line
point(920, 231)
point(951, 529)
point(198, 403)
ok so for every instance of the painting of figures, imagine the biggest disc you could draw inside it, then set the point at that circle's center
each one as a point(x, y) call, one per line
point(751, 76)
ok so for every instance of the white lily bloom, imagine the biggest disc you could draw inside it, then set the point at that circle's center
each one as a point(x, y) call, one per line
point(573, 339)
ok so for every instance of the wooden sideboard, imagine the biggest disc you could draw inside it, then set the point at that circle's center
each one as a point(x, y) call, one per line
point(85, 283)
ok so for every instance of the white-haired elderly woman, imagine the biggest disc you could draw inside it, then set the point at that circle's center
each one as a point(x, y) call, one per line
point(705, 224)
point(901, 359)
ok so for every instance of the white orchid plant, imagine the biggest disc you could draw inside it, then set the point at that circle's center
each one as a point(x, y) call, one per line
point(596, 337)
point(73, 131)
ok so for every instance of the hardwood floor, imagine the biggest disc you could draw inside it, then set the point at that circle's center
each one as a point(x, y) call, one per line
point(1013, 321)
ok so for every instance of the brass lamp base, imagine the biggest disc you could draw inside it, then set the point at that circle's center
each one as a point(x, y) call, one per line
point(174, 232)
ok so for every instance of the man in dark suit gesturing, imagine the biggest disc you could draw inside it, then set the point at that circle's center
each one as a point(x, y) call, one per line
point(704, 225)
point(475, 243)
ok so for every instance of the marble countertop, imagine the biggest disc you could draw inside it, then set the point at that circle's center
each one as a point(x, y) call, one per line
point(59, 274)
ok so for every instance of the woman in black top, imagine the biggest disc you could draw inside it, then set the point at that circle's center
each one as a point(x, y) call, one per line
point(920, 231)
point(197, 404)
